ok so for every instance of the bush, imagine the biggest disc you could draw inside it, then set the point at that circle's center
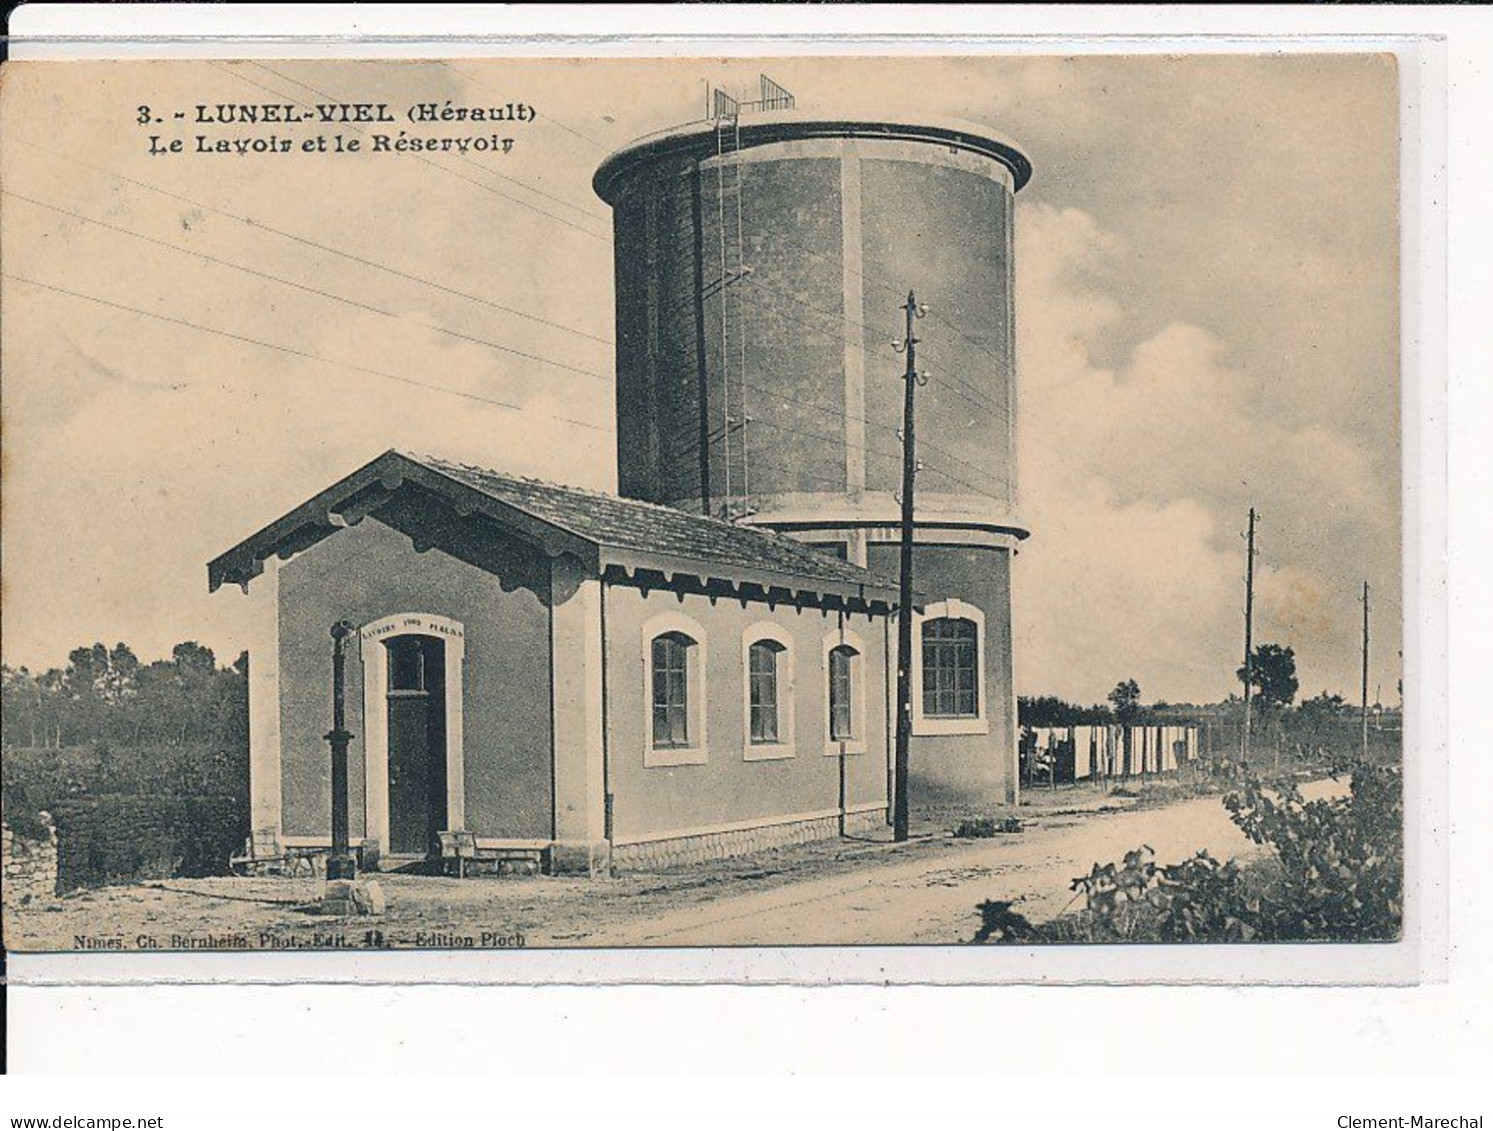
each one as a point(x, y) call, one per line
point(979, 827)
point(52, 775)
point(132, 812)
point(121, 838)
point(1338, 876)
point(1342, 859)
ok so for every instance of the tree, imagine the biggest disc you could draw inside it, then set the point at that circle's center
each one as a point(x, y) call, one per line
point(20, 706)
point(1323, 706)
point(1273, 675)
point(86, 666)
point(1125, 699)
point(1051, 711)
point(124, 666)
point(194, 660)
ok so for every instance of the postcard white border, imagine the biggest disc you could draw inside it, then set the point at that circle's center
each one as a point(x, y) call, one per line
point(1422, 956)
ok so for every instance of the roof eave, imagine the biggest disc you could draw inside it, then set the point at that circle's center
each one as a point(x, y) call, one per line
point(352, 498)
point(670, 565)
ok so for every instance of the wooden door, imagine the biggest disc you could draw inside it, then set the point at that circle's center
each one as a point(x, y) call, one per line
point(417, 744)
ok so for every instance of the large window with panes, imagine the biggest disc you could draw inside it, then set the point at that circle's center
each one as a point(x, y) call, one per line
point(951, 668)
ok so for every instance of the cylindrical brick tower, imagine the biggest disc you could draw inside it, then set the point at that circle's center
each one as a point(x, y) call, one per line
point(761, 263)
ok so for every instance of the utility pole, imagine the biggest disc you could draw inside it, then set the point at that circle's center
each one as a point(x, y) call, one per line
point(912, 379)
point(1249, 625)
point(1364, 713)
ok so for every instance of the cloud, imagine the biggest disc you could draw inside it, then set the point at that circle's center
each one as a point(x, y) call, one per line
point(1206, 311)
point(115, 510)
point(1136, 476)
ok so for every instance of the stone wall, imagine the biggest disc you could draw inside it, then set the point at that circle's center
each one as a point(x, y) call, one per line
point(656, 854)
point(125, 838)
point(30, 864)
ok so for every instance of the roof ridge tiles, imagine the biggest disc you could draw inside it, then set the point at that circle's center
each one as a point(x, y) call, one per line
point(439, 462)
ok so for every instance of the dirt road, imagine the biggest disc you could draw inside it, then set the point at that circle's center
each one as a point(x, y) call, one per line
point(834, 892)
point(930, 896)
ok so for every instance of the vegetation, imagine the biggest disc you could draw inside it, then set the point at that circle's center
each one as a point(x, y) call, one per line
point(109, 695)
point(1272, 675)
point(1341, 859)
point(1123, 706)
point(1050, 711)
point(1336, 874)
point(1125, 699)
point(980, 827)
point(144, 767)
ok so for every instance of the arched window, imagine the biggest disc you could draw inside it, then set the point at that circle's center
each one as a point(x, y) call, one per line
point(767, 692)
point(762, 694)
point(845, 693)
point(948, 670)
point(671, 690)
point(842, 693)
point(951, 669)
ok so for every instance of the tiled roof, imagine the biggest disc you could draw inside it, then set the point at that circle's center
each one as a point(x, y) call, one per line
point(647, 528)
point(602, 529)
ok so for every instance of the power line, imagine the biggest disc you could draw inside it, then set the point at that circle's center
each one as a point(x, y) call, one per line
point(840, 441)
point(970, 393)
point(772, 310)
point(693, 446)
point(539, 358)
point(549, 119)
point(891, 288)
point(1348, 584)
point(937, 317)
point(841, 415)
point(876, 280)
point(952, 380)
point(891, 455)
point(866, 276)
point(297, 353)
point(898, 290)
point(308, 242)
point(253, 223)
point(589, 213)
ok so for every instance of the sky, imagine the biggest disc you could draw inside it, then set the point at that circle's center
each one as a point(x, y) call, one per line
point(1207, 320)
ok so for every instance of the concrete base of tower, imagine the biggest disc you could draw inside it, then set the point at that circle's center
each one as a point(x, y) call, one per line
point(961, 772)
point(963, 755)
point(964, 745)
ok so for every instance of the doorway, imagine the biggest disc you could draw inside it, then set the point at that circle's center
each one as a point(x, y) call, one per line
point(416, 696)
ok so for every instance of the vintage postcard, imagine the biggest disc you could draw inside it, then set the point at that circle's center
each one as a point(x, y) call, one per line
point(508, 505)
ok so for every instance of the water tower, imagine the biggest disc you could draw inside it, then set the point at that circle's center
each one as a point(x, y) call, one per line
point(762, 256)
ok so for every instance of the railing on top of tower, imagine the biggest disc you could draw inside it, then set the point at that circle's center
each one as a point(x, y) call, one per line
point(771, 96)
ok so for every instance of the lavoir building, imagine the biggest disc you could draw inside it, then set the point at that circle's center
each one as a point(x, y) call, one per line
point(703, 664)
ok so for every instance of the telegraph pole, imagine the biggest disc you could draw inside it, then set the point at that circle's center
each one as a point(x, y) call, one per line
point(1364, 712)
point(912, 379)
point(1249, 624)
